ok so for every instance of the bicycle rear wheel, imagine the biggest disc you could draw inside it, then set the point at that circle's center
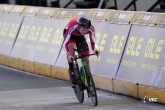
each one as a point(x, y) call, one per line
point(78, 89)
point(91, 87)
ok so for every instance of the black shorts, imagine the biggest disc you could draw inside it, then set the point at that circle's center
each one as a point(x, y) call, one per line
point(80, 42)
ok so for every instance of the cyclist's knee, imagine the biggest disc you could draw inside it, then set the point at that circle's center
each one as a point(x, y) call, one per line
point(87, 60)
point(71, 46)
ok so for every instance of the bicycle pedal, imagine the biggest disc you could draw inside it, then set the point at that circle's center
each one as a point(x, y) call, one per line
point(73, 86)
point(90, 95)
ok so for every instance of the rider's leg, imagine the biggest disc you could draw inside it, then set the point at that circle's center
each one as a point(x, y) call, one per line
point(82, 47)
point(84, 50)
point(71, 46)
point(87, 62)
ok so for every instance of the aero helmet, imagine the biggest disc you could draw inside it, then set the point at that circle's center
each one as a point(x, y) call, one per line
point(84, 22)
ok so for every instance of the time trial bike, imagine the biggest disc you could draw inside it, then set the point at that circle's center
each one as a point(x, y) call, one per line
point(84, 80)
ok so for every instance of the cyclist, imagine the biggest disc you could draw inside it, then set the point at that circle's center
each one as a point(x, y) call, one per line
point(74, 36)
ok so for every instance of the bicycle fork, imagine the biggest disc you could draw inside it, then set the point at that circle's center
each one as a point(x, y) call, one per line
point(85, 79)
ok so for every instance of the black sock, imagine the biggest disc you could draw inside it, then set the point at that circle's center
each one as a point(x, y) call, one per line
point(72, 76)
point(70, 67)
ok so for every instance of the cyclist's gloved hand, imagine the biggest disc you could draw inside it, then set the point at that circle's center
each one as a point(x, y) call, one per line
point(70, 57)
point(97, 52)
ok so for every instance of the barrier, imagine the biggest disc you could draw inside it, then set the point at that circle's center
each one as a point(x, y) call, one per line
point(12, 62)
point(60, 73)
point(63, 13)
point(99, 14)
point(51, 44)
point(80, 12)
point(46, 12)
point(143, 55)
point(121, 16)
point(146, 18)
point(161, 21)
point(25, 43)
point(8, 32)
point(43, 69)
point(6, 8)
point(103, 83)
point(127, 88)
point(16, 9)
point(2, 59)
point(60, 69)
point(111, 41)
point(34, 45)
point(151, 92)
point(26, 65)
point(31, 11)
point(159, 82)
point(42, 44)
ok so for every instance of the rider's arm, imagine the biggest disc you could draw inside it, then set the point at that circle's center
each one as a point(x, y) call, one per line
point(67, 36)
point(92, 37)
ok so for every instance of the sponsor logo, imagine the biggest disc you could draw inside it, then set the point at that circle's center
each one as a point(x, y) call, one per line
point(148, 99)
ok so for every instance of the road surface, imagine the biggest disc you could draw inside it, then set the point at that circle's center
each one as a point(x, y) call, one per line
point(25, 91)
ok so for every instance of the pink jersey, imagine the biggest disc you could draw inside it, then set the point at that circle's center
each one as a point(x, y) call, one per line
point(71, 28)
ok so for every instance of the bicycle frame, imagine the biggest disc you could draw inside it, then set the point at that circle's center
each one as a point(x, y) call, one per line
point(83, 62)
point(85, 80)
point(83, 74)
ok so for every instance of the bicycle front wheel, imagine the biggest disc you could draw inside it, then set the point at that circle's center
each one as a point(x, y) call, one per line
point(79, 92)
point(91, 87)
point(78, 89)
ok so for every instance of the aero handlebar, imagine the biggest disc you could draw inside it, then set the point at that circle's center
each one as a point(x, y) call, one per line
point(81, 56)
